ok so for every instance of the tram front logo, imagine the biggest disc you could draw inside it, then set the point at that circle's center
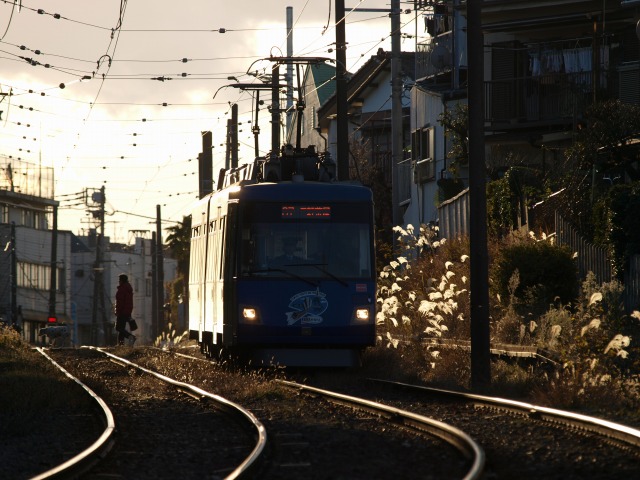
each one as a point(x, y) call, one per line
point(307, 307)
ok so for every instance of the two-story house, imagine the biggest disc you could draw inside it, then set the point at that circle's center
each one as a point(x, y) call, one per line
point(544, 63)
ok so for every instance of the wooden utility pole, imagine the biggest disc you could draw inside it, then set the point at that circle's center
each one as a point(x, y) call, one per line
point(479, 266)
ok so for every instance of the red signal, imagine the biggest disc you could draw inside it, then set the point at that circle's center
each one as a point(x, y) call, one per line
point(52, 320)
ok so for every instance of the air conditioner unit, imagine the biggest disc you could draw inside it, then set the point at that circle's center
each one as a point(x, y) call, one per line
point(424, 171)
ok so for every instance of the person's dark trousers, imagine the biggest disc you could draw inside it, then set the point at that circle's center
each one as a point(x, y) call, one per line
point(121, 328)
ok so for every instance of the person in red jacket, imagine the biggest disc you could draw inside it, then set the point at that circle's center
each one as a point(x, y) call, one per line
point(124, 307)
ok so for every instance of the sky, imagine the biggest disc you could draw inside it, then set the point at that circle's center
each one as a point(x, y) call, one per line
point(116, 94)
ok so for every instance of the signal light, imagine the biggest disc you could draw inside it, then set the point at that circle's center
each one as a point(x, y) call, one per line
point(52, 320)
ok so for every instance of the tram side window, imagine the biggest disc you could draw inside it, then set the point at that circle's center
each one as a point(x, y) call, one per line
point(222, 252)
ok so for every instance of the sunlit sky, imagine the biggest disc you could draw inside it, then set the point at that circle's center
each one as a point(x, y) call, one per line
point(125, 129)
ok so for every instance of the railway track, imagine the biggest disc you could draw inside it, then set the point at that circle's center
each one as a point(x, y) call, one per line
point(621, 435)
point(158, 431)
point(522, 440)
point(312, 437)
point(308, 437)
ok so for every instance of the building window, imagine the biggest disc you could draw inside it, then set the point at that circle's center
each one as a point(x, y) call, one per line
point(423, 155)
point(26, 218)
point(36, 276)
point(422, 144)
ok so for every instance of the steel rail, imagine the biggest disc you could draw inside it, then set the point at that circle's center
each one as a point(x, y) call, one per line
point(615, 431)
point(247, 467)
point(83, 461)
point(452, 435)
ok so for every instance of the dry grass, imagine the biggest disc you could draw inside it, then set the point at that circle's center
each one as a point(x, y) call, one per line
point(31, 388)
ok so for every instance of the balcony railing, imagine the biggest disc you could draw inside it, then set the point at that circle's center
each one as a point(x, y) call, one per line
point(433, 57)
point(545, 98)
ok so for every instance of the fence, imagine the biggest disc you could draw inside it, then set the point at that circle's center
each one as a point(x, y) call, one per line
point(591, 258)
point(453, 216)
point(632, 285)
point(454, 222)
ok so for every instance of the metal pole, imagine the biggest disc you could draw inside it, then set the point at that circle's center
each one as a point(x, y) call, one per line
point(479, 283)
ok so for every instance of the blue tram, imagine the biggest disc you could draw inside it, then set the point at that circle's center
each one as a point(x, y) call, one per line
point(283, 271)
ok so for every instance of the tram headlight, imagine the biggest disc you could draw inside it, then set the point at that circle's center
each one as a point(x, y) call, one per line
point(250, 314)
point(362, 314)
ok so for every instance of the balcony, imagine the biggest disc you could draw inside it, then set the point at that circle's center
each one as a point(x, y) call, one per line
point(434, 57)
point(555, 98)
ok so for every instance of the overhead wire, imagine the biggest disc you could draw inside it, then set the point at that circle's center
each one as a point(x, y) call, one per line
point(108, 75)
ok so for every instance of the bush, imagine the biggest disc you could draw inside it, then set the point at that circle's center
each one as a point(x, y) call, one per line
point(547, 273)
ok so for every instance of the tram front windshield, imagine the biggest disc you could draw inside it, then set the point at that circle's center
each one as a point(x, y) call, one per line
point(303, 240)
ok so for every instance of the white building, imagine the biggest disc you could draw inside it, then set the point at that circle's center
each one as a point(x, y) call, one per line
point(34, 270)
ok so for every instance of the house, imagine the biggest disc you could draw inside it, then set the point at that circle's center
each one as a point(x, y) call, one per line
point(545, 62)
point(369, 109)
point(318, 85)
point(35, 258)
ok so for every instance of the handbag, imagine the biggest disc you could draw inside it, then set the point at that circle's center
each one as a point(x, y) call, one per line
point(133, 326)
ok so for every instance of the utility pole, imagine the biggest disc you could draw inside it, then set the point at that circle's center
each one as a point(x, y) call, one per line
point(160, 270)
point(342, 137)
point(154, 290)
point(275, 110)
point(54, 261)
point(397, 135)
point(98, 273)
point(231, 157)
point(234, 135)
point(14, 276)
point(479, 266)
point(289, 70)
point(205, 165)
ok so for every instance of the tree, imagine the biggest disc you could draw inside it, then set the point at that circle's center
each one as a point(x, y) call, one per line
point(606, 150)
point(456, 125)
point(178, 241)
point(607, 139)
point(456, 128)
